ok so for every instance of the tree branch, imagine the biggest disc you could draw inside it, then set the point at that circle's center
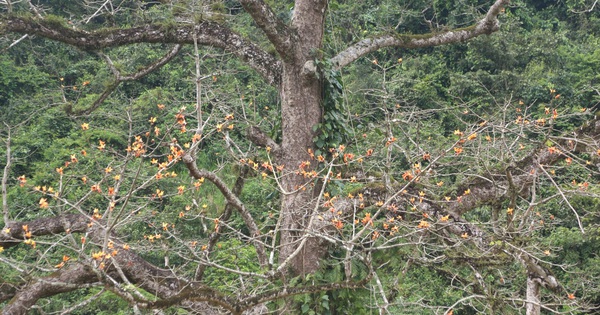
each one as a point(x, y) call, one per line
point(233, 200)
point(259, 138)
point(277, 32)
point(64, 280)
point(161, 282)
point(208, 33)
point(487, 25)
point(120, 78)
point(14, 233)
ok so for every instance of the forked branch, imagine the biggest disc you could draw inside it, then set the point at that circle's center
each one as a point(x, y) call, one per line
point(487, 25)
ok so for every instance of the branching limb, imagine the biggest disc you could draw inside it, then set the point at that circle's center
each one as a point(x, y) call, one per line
point(206, 33)
point(120, 78)
point(259, 138)
point(75, 277)
point(214, 237)
point(14, 43)
point(232, 200)
point(125, 265)
point(277, 32)
point(144, 71)
point(487, 25)
point(14, 233)
point(291, 291)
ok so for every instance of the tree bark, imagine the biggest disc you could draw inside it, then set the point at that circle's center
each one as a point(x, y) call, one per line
point(301, 110)
point(533, 296)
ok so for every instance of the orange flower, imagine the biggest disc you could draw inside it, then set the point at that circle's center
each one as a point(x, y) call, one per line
point(85, 126)
point(22, 180)
point(337, 223)
point(101, 145)
point(97, 214)
point(367, 219)
point(43, 203)
point(423, 224)
point(407, 176)
point(96, 188)
point(98, 255)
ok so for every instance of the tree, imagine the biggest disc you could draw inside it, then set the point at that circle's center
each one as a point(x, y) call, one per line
point(408, 207)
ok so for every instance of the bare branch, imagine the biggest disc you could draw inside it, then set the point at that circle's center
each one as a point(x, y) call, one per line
point(233, 200)
point(14, 43)
point(5, 178)
point(487, 25)
point(144, 71)
point(208, 33)
point(214, 237)
point(75, 277)
point(278, 33)
point(14, 233)
point(120, 78)
point(259, 138)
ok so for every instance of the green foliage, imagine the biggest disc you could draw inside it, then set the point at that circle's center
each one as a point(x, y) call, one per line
point(420, 101)
point(333, 130)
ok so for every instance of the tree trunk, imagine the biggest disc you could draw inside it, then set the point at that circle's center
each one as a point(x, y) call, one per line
point(533, 296)
point(301, 96)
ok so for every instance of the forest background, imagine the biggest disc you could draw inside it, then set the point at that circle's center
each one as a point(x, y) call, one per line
point(456, 179)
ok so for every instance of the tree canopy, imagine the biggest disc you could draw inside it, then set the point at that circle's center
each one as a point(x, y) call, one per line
point(304, 157)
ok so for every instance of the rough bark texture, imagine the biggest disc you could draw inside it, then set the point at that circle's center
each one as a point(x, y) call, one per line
point(300, 112)
point(298, 46)
point(533, 296)
point(208, 33)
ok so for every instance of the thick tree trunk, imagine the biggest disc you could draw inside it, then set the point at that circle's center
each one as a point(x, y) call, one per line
point(301, 94)
point(300, 112)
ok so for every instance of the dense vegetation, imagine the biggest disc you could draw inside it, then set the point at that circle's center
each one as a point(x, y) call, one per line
point(450, 179)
